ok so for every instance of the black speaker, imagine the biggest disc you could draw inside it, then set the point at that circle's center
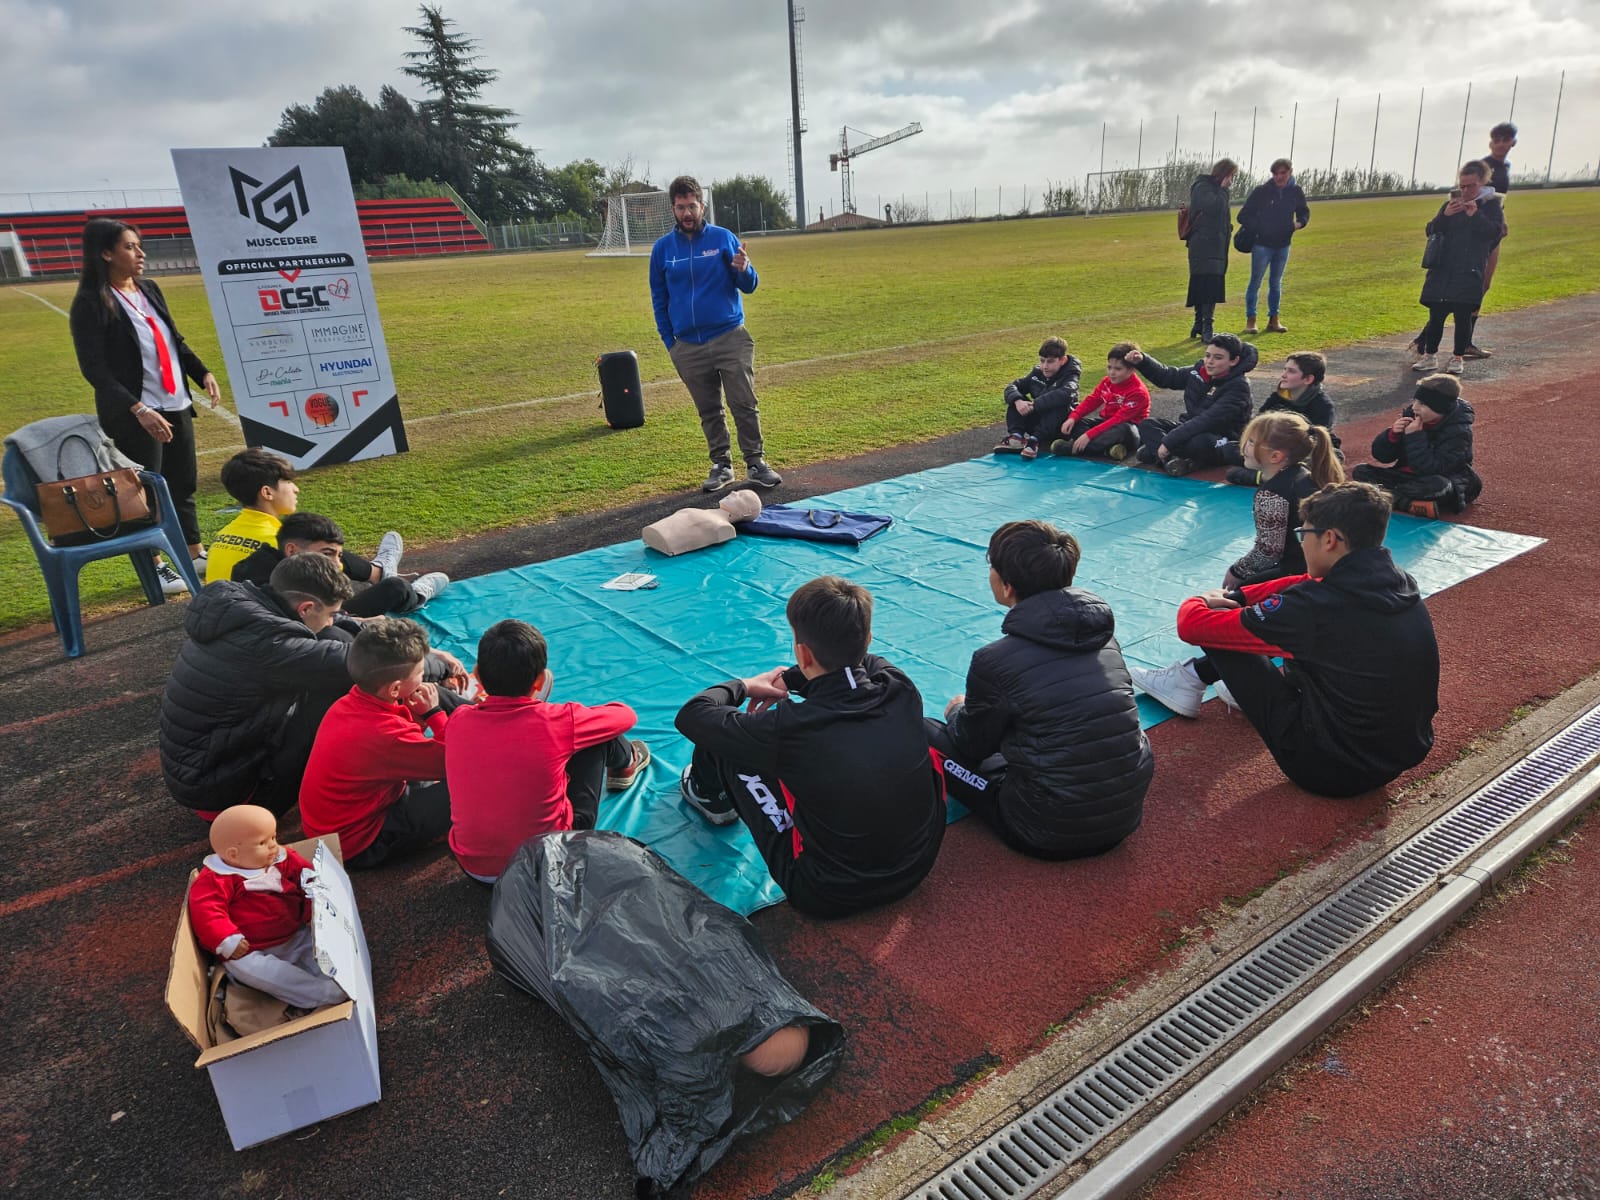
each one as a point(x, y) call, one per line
point(620, 393)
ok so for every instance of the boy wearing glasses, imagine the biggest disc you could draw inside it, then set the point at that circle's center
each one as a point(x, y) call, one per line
point(1039, 403)
point(1353, 705)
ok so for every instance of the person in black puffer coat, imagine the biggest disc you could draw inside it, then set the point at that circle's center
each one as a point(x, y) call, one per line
point(1216, 405)
point(1469, 225)
point(242, 705)
point(1045, 745)
point(1210, 238)
point(1427, 452)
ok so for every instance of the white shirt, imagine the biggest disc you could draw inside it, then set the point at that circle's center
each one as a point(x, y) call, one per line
point(138, 307)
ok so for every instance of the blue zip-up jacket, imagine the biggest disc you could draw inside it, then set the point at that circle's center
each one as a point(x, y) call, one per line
point(693, 287)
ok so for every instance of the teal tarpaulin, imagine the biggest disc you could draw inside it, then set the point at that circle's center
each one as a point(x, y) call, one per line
point(1148, 541)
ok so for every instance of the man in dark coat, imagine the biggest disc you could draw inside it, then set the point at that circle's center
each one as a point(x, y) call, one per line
point(1353, 705)
point(1216, 405)
point(1272, 214)
point(251, 683)
point(1045, 744)
point(1430, 449)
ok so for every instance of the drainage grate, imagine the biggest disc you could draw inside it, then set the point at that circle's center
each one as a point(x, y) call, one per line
point(1032, 1150)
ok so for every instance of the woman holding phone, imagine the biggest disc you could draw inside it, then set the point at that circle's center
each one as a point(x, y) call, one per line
point(1469, 225)
point(132, 354)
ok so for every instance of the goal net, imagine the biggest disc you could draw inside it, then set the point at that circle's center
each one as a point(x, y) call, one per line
point(634, 221)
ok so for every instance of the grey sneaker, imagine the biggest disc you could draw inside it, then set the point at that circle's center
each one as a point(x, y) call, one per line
point(172, 583)
point(721, 477)
point(390, 547)
point(430, 585)
point(719, 811)
point(1178, 687)
point(763, 475)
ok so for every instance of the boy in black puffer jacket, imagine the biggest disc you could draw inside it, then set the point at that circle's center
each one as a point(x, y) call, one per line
point(1216, 405)
point(1046, 745)
point(1430, 449)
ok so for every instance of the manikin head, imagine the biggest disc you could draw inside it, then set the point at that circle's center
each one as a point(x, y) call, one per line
point(245, 836)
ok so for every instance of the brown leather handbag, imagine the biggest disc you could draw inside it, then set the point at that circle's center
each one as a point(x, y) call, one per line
point(90, 507)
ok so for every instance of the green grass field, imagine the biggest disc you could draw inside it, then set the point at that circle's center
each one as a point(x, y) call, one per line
point(863, 341)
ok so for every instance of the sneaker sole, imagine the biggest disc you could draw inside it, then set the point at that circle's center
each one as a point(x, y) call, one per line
point(1166, 703)
point(1008, 449)
point(766, 483)
point(708, 487)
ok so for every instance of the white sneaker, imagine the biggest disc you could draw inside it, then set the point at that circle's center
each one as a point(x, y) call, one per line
point(390, 548)
point(1455, 366)
point(430, 585)
point(201, 561)
point(1177, 686)
point(1226, 696)
point(1428, 362)
point(172, 583)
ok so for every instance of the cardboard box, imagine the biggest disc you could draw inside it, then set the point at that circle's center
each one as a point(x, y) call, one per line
point(296, 1074)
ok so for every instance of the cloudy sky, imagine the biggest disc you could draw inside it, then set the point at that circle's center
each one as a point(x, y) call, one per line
point(96, 92)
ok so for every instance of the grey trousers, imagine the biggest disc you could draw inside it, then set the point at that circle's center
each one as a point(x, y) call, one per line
point(724, 366)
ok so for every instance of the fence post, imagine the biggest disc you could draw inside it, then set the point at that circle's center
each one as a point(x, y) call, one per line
point(1102, 151)
point(1175, 121)
point(1373, 159)
point(1462, 148)
point(1512, 115)
point(1138, 154)
point(1556, 124)
point(1294, 125)
point(1416, 142)
point(1333, 134)
point(1252, 167)
point(1213, 135)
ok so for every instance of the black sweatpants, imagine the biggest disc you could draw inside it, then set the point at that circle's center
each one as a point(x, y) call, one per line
point(1274, 707)
point(415, 821)
point(1404, 485)
point(1201, 449)
point(1433, 331)
point(1121, 434)
point(174, 461)
point(391, 594)
point(1045, 421)
point(586, 777)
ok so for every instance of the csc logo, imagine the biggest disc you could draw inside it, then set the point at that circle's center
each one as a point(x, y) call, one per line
point(293, 299)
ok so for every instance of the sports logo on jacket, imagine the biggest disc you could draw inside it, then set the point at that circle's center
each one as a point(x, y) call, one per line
point(1267, 604)
point(762, 795)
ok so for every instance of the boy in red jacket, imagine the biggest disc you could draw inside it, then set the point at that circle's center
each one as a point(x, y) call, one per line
point(519, 766)
point(248, 906)
point(375, 777)
point(1107, 422)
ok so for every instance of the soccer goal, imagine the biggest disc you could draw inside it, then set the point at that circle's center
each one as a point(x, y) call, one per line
point(634, 220)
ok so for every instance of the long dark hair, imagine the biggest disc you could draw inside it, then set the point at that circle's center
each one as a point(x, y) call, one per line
point(99, 235)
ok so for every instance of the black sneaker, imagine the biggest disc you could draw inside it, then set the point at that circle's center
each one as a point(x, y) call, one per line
point(1061, 448)
point(720, 477)
point(1146, 455)
point(763, 475)
point(1179, 466)
point(719, 811)
point(1244, 476)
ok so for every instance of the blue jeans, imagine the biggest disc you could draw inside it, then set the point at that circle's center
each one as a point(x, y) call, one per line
point(1262, 257)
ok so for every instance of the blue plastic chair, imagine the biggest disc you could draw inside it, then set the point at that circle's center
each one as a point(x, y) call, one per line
point(61, 564)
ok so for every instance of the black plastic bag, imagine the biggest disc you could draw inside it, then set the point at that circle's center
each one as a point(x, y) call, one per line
point(666, 987)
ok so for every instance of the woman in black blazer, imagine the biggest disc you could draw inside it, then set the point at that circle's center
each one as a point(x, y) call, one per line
point(135, 358)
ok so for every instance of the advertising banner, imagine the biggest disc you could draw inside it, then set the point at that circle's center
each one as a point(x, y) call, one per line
point(279, 245)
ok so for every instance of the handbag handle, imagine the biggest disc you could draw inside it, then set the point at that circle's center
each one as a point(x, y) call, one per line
point(61, 448)
point(70, 495)
point(833, 517)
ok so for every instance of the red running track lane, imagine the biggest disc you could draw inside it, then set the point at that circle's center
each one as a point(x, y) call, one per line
point(1475, 1075)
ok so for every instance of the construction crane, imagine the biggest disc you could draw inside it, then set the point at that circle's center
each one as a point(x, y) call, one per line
point(840, 162)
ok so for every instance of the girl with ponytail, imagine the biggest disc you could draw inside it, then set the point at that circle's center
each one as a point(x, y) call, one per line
point(1295, 458)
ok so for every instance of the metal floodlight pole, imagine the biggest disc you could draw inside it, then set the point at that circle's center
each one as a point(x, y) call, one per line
point(1175, 121)
point(794, 105)
point(1213, 135)
point(1294, 126)
point(1465, 109)
point(1550, 164)
point(1138, 154)
point(1252, 167)
point(1102, 147)
point(1512, 115)
point(1373, 159)
point(1333, 135)
point(1416, 142)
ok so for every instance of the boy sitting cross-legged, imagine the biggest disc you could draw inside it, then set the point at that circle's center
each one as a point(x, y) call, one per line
point(840, 794)
point(375, 778)
point(1037, 404)
point(1107, 422)
point(313, 533)
point(518, 765)
point(1045, 745)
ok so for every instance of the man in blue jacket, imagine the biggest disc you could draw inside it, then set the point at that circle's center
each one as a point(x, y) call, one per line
point(696, 274)
point(1271, 216)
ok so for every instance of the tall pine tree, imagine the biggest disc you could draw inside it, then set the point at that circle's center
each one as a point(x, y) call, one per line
point(477, 154)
